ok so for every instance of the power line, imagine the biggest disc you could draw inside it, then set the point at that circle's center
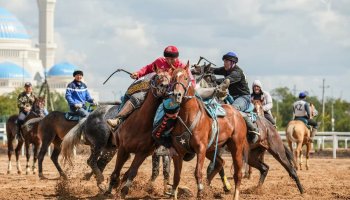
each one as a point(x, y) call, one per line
point(323, 106)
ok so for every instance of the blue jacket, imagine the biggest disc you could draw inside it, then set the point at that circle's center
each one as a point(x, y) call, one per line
point(77, 93)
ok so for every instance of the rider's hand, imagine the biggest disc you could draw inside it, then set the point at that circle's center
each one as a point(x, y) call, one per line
point(94, 103)
point(78, 105)
point(27, 108)
point(134, 75)
point(221, 93)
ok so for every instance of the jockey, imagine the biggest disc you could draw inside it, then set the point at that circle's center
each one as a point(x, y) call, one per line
point(301, 110)
point(259, 94)
point(238, 89)
point(77, 95)
point(25, 102)
point(134, 101)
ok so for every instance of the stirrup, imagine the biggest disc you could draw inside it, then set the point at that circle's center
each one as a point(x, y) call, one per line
point(256, 133)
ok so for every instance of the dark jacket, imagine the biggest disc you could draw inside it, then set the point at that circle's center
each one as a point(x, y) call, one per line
point(25, 101)
point(238, 83)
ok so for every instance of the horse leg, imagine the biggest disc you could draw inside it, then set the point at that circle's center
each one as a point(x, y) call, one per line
point(255, 160)
point(105, 158)
point(17, 152)
point(298, 153)
point(178, 160)
point(122, 157)
point(282, 154)
point(236, 149)
point(92, 162)
point(27, 146)
point(132, 172)
point(35, 156)
point(198, 172)
point(219, 167)
point(9, 154)
point(308, 148)
point(47, 138)
point(54, 156)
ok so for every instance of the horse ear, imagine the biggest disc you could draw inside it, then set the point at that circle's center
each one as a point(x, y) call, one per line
point(187, 65)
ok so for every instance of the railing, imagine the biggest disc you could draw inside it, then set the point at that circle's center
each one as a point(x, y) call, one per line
point(321, 137)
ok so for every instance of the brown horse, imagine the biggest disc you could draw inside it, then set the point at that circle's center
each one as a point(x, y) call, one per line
point(134, 135)
point(52, 129)
point(194, 128)
point(270, 140)
point(30, 137)
point(297, 132)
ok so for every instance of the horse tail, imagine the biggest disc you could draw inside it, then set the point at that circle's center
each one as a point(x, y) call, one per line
point(70, 140)
point(289, 133)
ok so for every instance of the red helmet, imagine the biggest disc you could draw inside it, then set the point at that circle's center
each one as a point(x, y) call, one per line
point(171, 52)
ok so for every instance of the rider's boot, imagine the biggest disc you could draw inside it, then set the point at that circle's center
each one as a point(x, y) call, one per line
point(313, 133)
point(253, 131)
point(124, 112)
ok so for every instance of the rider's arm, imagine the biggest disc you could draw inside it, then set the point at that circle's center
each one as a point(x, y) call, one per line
point(68, 95)
point(20, 104)
point(307, 109)
point(147, 69)
point(269, 104)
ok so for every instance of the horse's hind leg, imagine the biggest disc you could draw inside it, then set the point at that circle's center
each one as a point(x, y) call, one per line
point(9, 154)
point(92, 162)
point(282, 154)
point(122, 157)
point(219, 167)
point(17, 151)
point(35, 156)
point(105, 158)
point(236, 149)
point(308, 148)
point(255, 160)
point(54, 157)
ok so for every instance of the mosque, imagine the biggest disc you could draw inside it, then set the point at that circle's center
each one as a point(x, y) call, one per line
point(22, 61)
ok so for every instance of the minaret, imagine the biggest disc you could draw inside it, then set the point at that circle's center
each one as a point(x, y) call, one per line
point(47, 44)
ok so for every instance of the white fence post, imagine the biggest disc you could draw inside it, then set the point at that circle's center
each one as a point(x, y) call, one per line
point(335, 145)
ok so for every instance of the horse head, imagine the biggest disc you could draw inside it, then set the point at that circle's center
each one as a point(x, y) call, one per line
point(180, 83)
point(39, 106)
point(160, 82)
point(258, 107)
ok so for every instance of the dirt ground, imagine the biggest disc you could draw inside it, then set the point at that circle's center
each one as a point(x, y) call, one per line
point(327, 179)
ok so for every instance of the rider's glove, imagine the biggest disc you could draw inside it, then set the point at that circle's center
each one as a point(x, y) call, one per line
point(78, 105)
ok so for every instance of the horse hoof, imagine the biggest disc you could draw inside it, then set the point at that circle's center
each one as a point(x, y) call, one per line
point(8, 172)
point(124, 192)
point(19, 172)
point(87, 176)
point(102, 187)
point(64, 176)
point(42, 177)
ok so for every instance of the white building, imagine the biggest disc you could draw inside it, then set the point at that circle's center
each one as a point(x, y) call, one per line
point(22, 61)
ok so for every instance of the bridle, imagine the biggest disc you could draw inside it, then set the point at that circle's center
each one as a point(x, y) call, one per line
point(185, 87)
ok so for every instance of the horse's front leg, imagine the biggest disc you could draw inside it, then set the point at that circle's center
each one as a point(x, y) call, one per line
point(299, 155)
point(198, 171)
point(17, 152)
point(26, 144)
point(177, 160)
point(132, 172)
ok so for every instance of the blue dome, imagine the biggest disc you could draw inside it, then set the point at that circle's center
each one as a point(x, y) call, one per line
point(62, 69)
point(11, 27)
point(11, 70)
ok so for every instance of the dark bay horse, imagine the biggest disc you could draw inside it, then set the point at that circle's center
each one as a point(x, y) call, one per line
point(297, 132)
point(134, 135)
point(30, 137)
point(97, 135)
point(232, 132)
point(270, 140)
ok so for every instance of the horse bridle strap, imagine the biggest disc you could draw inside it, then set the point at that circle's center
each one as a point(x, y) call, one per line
point(194, 123)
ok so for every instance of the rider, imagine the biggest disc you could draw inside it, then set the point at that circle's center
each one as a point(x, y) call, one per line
point(25, 102)
point(259, 94)
point(77, 95)
point(135, 100)
point(238, 89)
point(301, 110)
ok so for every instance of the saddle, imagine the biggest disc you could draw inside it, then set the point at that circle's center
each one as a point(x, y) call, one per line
point(214, 109)
point(303, 120)
point(71, 116)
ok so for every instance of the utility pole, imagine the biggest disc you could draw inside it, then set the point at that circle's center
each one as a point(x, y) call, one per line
point(294, 90)
point(323, 101)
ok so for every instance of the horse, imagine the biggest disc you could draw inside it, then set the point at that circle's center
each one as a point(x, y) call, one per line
point(98, 136)
point(29, 137)
point(193, 130)
point(270, 140)
point(134, 135)
point(297, 132)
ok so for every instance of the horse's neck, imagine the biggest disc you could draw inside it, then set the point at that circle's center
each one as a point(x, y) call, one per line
point(188, 106)
point(150, 105)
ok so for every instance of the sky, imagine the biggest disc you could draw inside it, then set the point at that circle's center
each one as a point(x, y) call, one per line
point(283, 43)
